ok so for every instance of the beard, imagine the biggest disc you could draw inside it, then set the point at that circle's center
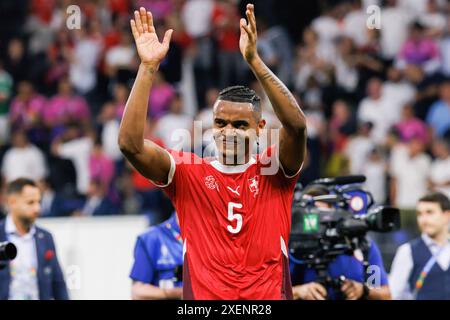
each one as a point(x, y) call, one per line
point(26, 222)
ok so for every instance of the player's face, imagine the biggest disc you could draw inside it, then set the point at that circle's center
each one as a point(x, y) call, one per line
point(26, 205)
point(431, 219)
point(235, 128)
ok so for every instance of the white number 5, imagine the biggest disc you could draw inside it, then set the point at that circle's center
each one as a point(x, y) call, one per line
point(232, 216)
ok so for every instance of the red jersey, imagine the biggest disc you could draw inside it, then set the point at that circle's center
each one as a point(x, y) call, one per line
point(235, 223)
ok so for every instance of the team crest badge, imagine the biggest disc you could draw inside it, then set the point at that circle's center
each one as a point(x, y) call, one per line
point(253, 185)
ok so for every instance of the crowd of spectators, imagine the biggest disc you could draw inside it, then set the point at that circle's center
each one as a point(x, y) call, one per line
point(377, 100)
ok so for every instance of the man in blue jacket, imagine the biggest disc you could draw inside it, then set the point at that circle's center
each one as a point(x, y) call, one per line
point(35, 273)
point(158, 260)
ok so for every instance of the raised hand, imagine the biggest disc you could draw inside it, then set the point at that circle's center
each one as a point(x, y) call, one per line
point(150, 50)
point(247, 41)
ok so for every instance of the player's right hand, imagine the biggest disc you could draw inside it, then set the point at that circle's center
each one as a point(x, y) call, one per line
point(310, 291)
point(150, 50)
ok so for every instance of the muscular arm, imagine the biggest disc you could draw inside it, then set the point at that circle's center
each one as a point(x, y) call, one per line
point(293, 133)
point(149, 159)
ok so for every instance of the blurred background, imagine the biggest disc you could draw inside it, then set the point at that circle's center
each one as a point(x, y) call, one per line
point(377, 102)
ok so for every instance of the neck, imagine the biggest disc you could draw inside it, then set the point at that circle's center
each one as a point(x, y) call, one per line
point(227, 161)
point(442, 237)
point(22, 227)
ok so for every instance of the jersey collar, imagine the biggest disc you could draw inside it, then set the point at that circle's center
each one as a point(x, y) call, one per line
point(232, 169)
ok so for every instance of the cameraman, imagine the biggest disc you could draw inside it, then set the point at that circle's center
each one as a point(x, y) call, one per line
point(353, 287)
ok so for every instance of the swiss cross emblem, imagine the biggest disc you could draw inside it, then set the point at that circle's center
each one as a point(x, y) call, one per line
point(211, 183)
point(253, 185)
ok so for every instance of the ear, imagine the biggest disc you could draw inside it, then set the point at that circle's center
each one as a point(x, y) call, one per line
point(261, 125)
point(11, 200)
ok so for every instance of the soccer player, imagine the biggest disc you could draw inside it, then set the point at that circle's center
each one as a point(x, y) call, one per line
point(235, 219)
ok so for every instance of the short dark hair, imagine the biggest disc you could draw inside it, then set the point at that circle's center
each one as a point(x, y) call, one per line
point(241, 94)
point(16, 186)
point(437, 197)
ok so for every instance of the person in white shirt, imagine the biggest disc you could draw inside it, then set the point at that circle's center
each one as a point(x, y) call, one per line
point(374, 109)
point(409, 169)
point(202, 11)
point(355, 24)
point(23, 160)
point(121, 56)
point(83, 61)
point(359, 147)
point(398, 92)
point(420, 269)
point(78, 149)
point(439, 179)
point(175, 128)
point(394, 28)
point(374, 169)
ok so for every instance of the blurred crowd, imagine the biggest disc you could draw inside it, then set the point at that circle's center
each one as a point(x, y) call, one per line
point(377, 100)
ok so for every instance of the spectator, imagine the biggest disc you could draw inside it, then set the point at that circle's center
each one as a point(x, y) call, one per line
point(23, 159)
point(225, 19)
point(359, 148)
point(76, 146)
point(439, 179)
point(84, 59)
point(409, 167)
point(6, 85)
point(355, 24)
point(374, 169)
point(374, 109)
point(398, 92)
point(173, 127)
point(161, 95)
point(96, 203)
point(120, 56)
point(101, 167)
point(438, 116)
point(17, 64)
point(66, 107)
point(27, 107)
point(53, 203)
point(419, 50)
point(394, 28)
point(410, 126)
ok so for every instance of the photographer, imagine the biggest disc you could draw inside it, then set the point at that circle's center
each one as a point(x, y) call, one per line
point(158, 259)
point(304, 278)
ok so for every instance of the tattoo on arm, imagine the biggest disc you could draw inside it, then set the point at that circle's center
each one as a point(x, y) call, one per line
point(268, 75)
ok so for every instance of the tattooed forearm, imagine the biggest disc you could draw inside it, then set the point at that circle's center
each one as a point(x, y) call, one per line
point(284, 104)
point(269, 76)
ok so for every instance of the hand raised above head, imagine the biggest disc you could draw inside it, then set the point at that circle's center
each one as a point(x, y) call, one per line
point(247, 41)
point(150, 50)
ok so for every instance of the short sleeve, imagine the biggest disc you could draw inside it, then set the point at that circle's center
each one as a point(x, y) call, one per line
point(180, 164)
point(143, 269)
point(270, 165)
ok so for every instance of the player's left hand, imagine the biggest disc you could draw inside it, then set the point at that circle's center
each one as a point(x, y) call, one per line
point(247, 41)
point(352, 290)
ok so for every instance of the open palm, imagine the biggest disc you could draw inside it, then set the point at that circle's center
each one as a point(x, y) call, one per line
point(150, 50)
point(247, 41)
